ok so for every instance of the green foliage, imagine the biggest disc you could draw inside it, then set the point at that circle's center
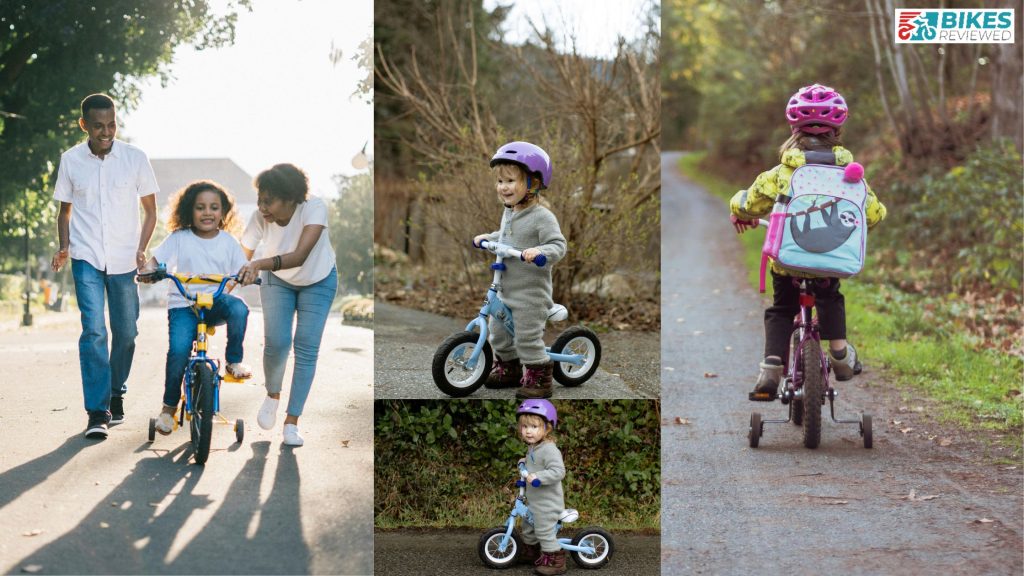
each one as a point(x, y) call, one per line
point(351, 228)
point(965, 225)
point(451, 463)
point(53, 54)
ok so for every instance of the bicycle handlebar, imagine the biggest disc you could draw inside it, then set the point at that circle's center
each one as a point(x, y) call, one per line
point(181, 279)
point(523, 473)
point(504, 250)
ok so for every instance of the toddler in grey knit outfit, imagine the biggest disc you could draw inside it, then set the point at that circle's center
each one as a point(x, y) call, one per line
point(536, 420)
point(522, 170)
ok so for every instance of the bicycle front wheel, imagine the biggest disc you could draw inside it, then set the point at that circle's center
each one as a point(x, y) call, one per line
point(449, 370)
point(812, 392)
point(201, 418)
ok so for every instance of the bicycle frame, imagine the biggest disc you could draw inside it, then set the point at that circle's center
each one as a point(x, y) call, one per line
point(521, 510)
point(493, 306)
point(807, 327)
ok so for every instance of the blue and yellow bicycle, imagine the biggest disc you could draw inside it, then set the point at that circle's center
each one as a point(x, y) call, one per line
point(201, 386)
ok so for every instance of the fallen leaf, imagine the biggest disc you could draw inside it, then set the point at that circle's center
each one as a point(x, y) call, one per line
point(905, 430)
point(913, 497)
point(983, 521)
point(59, 409)
point(710, 375)
point(945, 441)
point(344, 443)
point(104, 525)
point(669, 369)
point(35, 532)
point(681, 420)
point(836, 502)
point(32, 568)
point(897, 422)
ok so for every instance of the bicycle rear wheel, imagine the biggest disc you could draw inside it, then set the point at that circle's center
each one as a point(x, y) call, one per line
point(797, 414)
point(201, 419)
point(812, 392)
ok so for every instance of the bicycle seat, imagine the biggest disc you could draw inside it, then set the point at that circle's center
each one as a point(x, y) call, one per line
point(557, 313)
point(568, 516)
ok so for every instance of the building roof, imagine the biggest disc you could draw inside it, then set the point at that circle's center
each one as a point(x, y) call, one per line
point(173, 174)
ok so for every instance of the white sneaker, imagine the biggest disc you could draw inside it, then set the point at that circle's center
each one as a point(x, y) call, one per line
point(291, 435)
point(268, 413)
point(165, 423)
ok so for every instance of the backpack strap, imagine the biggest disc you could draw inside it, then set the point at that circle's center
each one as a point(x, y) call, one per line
point(815, 157)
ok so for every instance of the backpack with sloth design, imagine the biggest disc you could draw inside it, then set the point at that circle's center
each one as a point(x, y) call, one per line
point(819, 227)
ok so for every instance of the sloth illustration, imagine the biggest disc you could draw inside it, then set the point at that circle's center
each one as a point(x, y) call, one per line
point(837, 230)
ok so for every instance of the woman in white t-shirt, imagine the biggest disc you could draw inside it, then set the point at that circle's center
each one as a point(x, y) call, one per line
point(299, 283)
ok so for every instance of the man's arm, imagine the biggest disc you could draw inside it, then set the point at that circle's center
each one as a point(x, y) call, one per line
point(63, 237)
point(148, 225)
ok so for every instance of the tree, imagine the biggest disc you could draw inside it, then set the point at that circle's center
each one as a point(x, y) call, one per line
point(352, 232)
point(52, 54)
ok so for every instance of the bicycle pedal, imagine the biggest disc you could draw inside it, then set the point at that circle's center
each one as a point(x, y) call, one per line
point(762, 396)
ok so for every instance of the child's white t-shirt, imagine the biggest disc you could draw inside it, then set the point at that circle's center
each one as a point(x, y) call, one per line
point(187, 253)
point(278, 240)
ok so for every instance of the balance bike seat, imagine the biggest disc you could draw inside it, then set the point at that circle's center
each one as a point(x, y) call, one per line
point(568, 516)
point(557, 313)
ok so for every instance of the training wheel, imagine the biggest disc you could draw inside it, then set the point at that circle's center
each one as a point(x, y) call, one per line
point(152, 429)
point(865, 429)
point(755, 429)
point(239, 430)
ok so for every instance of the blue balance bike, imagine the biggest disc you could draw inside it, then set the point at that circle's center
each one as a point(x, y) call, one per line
point(500, 547)
point(201, 396)
point(463, 361)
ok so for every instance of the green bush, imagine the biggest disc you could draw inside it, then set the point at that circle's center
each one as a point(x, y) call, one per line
point(451, 463)
point(962, 227)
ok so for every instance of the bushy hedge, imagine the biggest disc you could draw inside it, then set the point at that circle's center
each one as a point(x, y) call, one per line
point(960, 230)
point(451, 463)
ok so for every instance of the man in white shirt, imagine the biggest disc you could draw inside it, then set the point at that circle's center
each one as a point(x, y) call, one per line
point(103, 181)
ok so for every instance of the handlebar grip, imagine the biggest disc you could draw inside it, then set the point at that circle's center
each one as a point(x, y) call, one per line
point(480, 246)
point(535, 483)
point(540, 260)
point(520, 483)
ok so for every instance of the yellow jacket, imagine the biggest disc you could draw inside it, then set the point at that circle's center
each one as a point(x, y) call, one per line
point(758, 200)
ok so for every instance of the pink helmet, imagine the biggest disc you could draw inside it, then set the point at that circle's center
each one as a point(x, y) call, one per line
point(816, 109)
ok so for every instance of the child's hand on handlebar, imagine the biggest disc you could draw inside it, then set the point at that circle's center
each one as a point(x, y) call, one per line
point(530, 254)
point(742, 226)
point(478, 239)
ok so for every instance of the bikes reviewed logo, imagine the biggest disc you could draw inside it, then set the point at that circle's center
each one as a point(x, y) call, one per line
point(959, 26)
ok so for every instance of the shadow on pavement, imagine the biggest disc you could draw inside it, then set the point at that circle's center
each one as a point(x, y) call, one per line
point(141, 525)
point(23, 478)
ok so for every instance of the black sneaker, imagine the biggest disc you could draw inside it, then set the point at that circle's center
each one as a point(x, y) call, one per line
point(116, 410)
point(97, 425)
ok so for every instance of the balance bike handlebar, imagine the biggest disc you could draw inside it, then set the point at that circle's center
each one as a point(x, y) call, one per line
point(522, 477)
point(504, 250)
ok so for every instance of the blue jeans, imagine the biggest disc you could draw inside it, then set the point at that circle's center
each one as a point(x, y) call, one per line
point(282, 302)
point(105, 375)
point(181, 327)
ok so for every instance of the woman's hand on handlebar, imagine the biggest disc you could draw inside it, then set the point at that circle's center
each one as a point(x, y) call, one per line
point(742, 226)
point(248, 274)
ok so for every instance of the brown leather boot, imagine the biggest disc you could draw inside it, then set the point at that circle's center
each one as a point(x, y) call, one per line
point(536, 382)
point(551, 563)
point(531, 554)
point(504, 374)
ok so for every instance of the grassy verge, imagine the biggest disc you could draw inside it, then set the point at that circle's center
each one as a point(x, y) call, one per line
point(974, 387)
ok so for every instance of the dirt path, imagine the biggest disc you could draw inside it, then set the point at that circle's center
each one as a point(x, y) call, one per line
point(406, 339)
point(839, 509)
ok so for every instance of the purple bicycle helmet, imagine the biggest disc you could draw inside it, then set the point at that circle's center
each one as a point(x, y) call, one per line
point(530, 157)
point(816, 109)
point(540, 407)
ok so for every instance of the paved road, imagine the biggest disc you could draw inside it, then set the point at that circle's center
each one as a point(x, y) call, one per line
point(406, 340)
point(841, 509)
point(454, 553)
point(71, 505)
